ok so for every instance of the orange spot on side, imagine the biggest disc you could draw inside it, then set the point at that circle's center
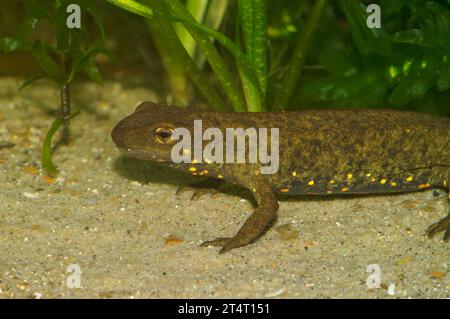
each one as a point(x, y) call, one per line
point(31, 170)
point(426, 185)
point(405, 260)
point(437, 274)
point(284, 190)
point(172, 241)
point(48, 179)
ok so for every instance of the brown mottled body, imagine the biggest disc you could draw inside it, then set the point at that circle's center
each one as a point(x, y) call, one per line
point(321, 152)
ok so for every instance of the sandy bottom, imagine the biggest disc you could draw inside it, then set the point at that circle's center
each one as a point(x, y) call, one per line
point(119, 222)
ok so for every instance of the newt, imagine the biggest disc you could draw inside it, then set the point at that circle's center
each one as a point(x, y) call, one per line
point(321, 152)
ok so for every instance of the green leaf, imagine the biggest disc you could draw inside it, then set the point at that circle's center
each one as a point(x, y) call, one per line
point(47, 145)
point(84, 59)
point(134, 7)
point(9, 44)
point(367, 40)
point(215, 13)
point(443, 81)
point(146, 12)
point(333, 60)
point(30, 80)
point(46, 62)
point(253, 18)
point(63, 33)
point(197, 9)
point(92, 10)
point(167, 40)
point(92, 71)
point(413, 36)
point(295, 65)
point(416, 84)
point(214, 17)
point(216, 62)
point(140, 9)
point(176, 71)
point(353, 90)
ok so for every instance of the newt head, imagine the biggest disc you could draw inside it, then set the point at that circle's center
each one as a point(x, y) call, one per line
point(148, 133)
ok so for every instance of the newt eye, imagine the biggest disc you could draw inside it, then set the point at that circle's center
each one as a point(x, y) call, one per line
point(163, 135)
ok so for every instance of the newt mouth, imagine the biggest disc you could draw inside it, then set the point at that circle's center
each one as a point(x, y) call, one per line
point(139, 154)
point(136, 154)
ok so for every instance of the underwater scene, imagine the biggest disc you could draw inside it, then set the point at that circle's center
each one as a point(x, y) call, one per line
point(200, 150)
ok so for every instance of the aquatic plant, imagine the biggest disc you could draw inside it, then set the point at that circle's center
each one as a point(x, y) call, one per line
point(257, 58)
point(246, 88)
point(261, 55)
point(72, 52)
point(405, 64)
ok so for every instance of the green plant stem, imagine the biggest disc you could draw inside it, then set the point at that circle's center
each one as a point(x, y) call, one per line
point(213, 19)
point(212, 55)
point(176, 73)
point(47, 147)
point(134, 7)
point(253, 21)
point(197, 9)
point(246, 67)
point(251, 93)
point(65, 101)
point(295, 65)
point(47, 162)
point(146, 12)
point(65, 90)
point(253, 17)
point(176, 51)
point(177, 77)
point(46, 62)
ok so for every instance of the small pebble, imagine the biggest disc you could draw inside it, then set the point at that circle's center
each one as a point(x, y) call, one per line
point(274, 293)
point(30, 195)
point(90, 201)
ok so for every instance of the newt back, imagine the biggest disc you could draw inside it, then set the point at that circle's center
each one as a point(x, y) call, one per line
point(364, 151)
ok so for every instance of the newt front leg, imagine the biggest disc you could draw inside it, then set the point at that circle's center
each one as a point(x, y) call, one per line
point(261, 218)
